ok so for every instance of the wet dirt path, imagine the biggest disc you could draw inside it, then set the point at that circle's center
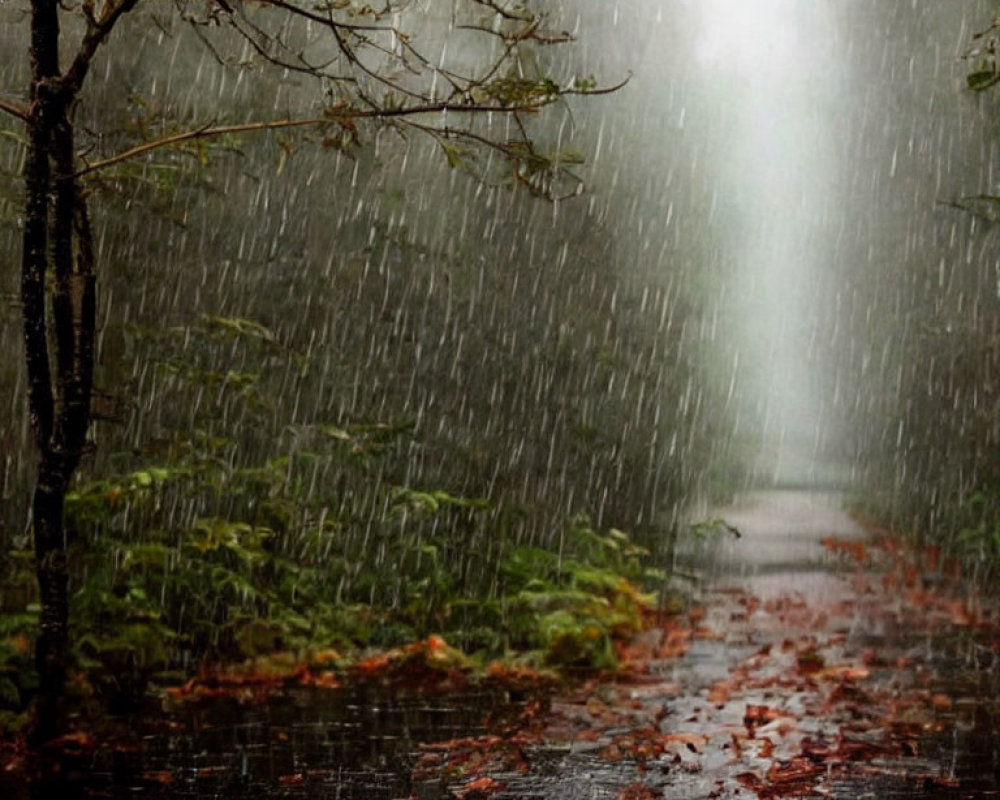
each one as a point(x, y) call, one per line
point(814, 663)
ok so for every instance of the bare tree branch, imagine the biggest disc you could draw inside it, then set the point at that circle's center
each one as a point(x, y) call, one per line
point(259, 38)
point(15, 110)
point(98, 30)
point(352, 40)
point(328, 20)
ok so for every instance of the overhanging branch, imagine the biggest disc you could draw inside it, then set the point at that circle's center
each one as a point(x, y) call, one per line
point(334, 118)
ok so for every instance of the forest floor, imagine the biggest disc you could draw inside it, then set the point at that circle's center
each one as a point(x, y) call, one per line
point(816, 658)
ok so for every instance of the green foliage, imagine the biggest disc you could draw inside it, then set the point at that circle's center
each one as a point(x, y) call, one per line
point(18, 625)
point(712, 526)
point(514, 90)
point(983, 78)
point(974, 524)
point(18, 680)
point(223, 589)
point(568, 606)
point(966, 528)
point(202, 549)
point(983, 73)
point(222, 527)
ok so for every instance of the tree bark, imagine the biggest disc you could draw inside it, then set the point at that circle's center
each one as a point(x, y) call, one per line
point(56, 240)
point(51, 646)
point(37, 178)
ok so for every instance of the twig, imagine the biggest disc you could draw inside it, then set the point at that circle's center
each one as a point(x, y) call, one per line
point(602, 90)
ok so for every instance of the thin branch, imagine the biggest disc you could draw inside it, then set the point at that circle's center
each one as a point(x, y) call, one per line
point(530, 33)
point(303, 67)
point(327, 21)
point(602, 90)
point(511, 46)
point(15, 110)
point(352, 38)
point(336, 116)
point(511, 151)
point(352, 58)
point(517, 15)
point(98, 31)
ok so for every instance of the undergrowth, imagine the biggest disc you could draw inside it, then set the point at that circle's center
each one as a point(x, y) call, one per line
point(217, 546)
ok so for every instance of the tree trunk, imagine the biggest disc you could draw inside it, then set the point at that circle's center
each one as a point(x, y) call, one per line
point(51, 646)
point(57, 239)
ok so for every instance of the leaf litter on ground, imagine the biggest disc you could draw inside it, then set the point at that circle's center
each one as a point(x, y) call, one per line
point(787, 696)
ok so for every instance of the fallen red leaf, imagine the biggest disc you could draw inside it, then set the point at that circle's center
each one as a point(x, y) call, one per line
point(720, 692)
point(797, 770)
point(850, 694)
point(78, 740)
point(675, 643)
point(847, 672)
point(846, 547)
point(695, 742)
point(750, 780)
point(208, 773)
point(373, 664)
point(478, 788)
point(756, 715)
point(809, 661)
point(638, 791)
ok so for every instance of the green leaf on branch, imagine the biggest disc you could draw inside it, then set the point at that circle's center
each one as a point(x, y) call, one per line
point(457, 156)
point(982, 79)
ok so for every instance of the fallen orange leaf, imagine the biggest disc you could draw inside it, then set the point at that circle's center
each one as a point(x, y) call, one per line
point(795, 771)
point(695, 742)
point(638, 791)
point(479, 786)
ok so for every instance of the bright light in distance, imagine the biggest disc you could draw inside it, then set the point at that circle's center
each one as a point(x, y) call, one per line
point(746, 33)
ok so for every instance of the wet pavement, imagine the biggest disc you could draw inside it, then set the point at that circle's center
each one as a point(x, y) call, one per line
point(809, 662)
